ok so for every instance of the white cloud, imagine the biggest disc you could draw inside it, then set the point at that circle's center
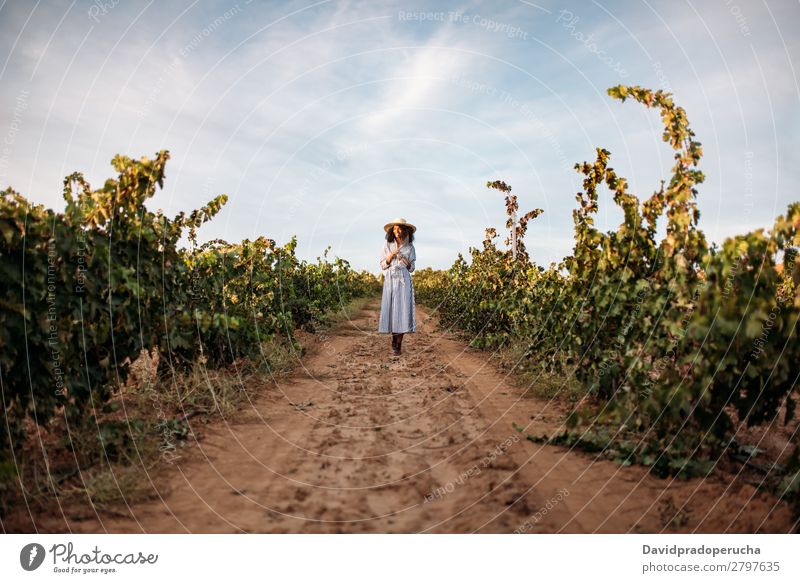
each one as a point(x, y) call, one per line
point(264, 106)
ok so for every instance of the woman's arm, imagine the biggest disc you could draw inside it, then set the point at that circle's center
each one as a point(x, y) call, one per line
point(386, 258)
point(412, 259)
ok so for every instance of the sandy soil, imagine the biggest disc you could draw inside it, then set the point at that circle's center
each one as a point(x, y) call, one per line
point(359, 441)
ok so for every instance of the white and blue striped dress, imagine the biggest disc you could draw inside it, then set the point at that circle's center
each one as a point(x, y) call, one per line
point(398, 306)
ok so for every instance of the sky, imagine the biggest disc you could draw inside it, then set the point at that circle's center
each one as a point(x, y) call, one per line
point(327, 119)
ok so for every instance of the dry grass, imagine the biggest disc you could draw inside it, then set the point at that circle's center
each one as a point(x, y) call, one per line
point(346, 312)
point(529, 375)
point(108, 462)
point(105, 487)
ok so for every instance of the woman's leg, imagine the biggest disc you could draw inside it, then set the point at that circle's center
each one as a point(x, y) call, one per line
point(399, 342)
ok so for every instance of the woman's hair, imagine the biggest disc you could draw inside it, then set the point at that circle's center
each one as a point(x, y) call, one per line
point(407, 231)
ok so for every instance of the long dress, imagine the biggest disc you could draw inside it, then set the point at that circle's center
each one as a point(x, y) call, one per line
point(398, 305)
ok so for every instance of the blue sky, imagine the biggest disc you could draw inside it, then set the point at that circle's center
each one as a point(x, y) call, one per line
point(326, 119)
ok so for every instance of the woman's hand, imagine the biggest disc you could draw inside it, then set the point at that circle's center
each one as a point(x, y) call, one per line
point(396, 253)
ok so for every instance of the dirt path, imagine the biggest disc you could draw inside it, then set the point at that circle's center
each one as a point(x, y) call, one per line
point(358, 441)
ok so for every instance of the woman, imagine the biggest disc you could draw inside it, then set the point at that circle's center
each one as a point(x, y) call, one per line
point(398, 307)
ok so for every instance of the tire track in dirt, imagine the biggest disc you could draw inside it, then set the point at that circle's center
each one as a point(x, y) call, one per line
point(358, 441)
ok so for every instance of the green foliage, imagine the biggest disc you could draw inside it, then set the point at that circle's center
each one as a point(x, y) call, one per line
point(669, 336)
point(84, 291)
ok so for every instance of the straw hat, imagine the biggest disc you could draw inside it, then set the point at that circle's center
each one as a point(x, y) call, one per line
point(398, 221)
